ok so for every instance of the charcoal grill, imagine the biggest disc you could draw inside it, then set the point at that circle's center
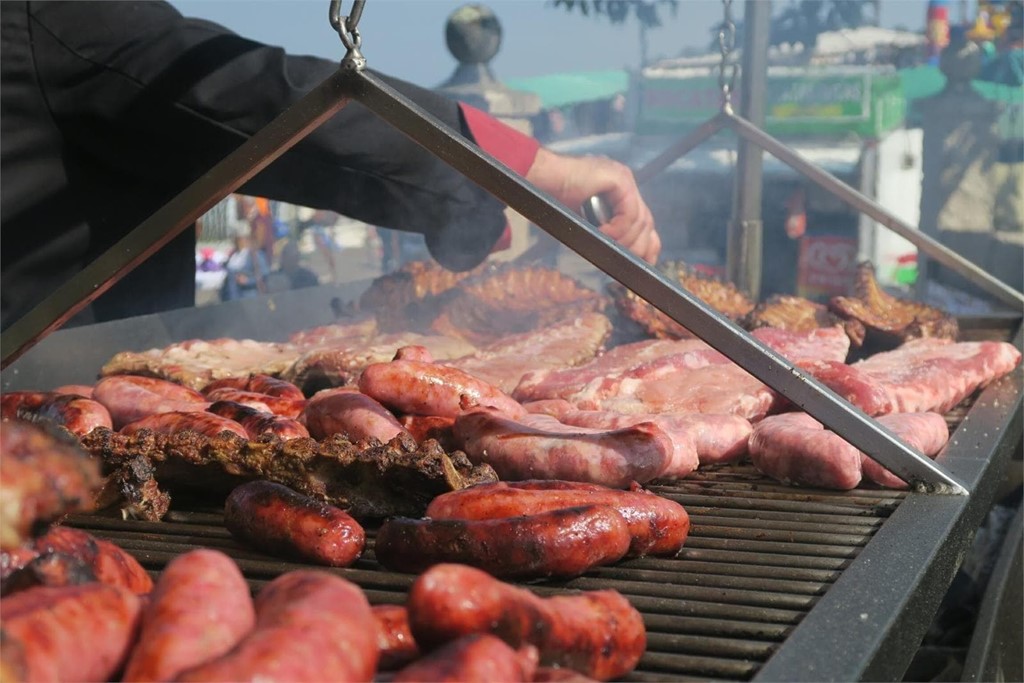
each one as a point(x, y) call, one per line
point(775, 582)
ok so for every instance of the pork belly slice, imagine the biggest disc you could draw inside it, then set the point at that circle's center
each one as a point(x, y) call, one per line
point(922, 375)
point(823, 343)
point(540, 447)
point(797, 449)
point(698, 439)
point(558, 346)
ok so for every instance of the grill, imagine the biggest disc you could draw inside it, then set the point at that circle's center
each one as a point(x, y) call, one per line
point(759, 557)
point(774, 583)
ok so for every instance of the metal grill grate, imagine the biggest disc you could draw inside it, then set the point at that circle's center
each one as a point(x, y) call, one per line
point(759, 557)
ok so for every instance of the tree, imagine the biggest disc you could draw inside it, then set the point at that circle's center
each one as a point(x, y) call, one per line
point(647, 12)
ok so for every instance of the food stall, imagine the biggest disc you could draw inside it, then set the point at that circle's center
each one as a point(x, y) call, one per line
point(775, 582)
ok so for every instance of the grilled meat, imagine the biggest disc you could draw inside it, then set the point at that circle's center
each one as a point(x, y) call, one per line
point(797, 314)
point(889, 320)
point(397, 299)
point(368, 479)
point(506, 300)
point(43, 476)
point(719, 295)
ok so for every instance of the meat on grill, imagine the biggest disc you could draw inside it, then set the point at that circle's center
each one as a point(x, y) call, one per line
point(889, 320)
point(75, 413)
point(177, 421)
point(397, 298)
point(130, 398)
point(367, 479)
point(540, 447)
point(43, 476)
point(797, 314)
point(797, 449)
point(719, 295)
point(257, 423)
point(561, 345)
point(821, 343)
point(350, 413)
point(506, 300)
point(922, 375)
point(473, 657)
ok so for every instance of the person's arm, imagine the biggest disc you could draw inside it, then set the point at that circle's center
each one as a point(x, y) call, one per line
point(572, 180)
point(163, 97)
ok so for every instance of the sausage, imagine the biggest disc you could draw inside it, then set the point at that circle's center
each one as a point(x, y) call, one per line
point(414, 352)
point(348, 412)
point(77, 414)
point(257, 423)
point(14, 559)
point(475, 657)
point(273, 518)
point(50, 569)
point(551, 674)
point(394, 638)
point(423, 427)
point(109, 562)
point(310, 626)
point(925, 432)
point(83, 390)
point(173, 422)
point(199, 610)
point(419, 388)
point(285, 407)
point(597, 633)
point(561, 543)
point(67, 633)
point(261, 384)
point(658, 526)
point(515, 450)
point(130, 398)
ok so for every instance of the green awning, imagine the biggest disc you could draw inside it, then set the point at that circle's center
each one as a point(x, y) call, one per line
point(561, 90)
point(925, 81)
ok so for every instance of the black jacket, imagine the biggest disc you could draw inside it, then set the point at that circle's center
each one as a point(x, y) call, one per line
point(109, 109)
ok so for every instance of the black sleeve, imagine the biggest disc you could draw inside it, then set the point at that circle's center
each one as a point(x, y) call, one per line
point(165, 97)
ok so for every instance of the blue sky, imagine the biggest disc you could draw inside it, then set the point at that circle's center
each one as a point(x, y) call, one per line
point(405, 38)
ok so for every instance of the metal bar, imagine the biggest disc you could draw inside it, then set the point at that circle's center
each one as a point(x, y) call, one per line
point(679, 148)
point(675, 301)
point(869, 207)
point(744, 237)
point(251, 157)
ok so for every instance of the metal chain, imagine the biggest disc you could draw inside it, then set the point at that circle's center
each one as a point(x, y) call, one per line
point(726, 45)
point(347, 26)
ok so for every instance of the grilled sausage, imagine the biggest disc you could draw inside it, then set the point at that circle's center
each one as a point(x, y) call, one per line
point(50, 569)
point(67, 633)
point(414, 352)
point(658, 526)
point(77, 414)
point(285, 407)
point(419, 388)
point(109, 562)
point(475, 657)
point(261, 384)
point(551, 674)
point(310, 626)
point(515, 450)
point(200, 608)
point(130, 398)
point(349, 412)
point(394, 639)
point(280, 521)
point(423, 427)
point(597, 633)
point(926, 432)
point(173, 422)
point(83, 390)
point(560, 543)
point(257, 423)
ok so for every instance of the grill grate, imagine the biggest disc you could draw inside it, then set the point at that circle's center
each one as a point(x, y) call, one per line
point(759, 557)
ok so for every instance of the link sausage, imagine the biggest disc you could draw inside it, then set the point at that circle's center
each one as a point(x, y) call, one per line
point(394, 638)
point(261, 384)
point(349, 412)
point(562, 543)
point(409, 386)
point(77, 414)
point(285, 407)
point(310, 626)
point(280, 521)
point(130, 398)
point(658, 526)
point(257, 423)
point(67, 633)
point(475, 657)
point(204, 423)
point(597, 633)
point(199, 610)
point(110, 563)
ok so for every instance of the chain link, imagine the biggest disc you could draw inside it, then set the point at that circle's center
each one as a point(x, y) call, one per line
point(347, 26)
point(726, 45)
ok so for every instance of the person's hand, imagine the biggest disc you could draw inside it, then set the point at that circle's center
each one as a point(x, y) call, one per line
point(573, 180)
